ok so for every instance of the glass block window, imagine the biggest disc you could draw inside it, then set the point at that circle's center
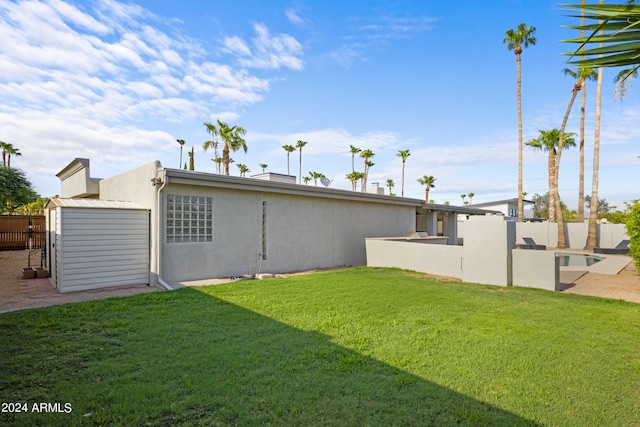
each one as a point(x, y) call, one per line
point(189, 219)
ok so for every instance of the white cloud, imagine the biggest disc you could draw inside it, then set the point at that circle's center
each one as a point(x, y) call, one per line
point(293, 15)
point(93, 79)
point(267, 51)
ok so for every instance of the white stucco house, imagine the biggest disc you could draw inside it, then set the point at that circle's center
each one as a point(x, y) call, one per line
point(508, 207)
point(177, 225)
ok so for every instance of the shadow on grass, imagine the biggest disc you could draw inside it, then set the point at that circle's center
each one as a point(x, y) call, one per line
point(188, 358)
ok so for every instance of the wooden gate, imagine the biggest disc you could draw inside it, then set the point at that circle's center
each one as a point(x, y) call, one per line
point(18, 232)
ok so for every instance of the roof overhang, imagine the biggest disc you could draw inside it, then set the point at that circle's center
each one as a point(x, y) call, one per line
point(183, 177)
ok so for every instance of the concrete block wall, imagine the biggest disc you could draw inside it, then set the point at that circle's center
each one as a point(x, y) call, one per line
point(536, 269)
point(488, 241)
point(438, 259)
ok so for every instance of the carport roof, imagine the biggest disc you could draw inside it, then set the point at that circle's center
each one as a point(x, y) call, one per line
point(92, 203)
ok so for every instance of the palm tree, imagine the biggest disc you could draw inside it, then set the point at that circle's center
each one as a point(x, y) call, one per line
point(263, 166)
point(593, 205)
point(471, 195)
point(3, 146)
point(390, 184)
point(548, 141)
point(191, 159)
point(299, 145)
point(306, 179)
point(316, 176)
point(181, 142)
point(243, 169)
point(7, 150)
point(366, 155)
point(218, 162)
point(232, 138)
point(289, 149)
point(353, 150)
point(580, 75)
point(463, 196)
point(354, 177)
point(428, 182)
point(403, 154)
point(617, 27)
point(583, 106)
point(523, 36)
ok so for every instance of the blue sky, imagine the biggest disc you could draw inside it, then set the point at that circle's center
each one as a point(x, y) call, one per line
point(118, 82)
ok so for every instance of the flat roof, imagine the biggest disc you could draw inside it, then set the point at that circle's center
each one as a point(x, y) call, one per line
point(205, 179)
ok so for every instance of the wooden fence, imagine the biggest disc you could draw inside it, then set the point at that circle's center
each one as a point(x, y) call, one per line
point(22, 232)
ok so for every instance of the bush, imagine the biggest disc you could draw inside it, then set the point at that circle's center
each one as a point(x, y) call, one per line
point(633, 230)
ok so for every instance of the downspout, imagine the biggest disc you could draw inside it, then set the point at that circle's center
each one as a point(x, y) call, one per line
point(159, 232)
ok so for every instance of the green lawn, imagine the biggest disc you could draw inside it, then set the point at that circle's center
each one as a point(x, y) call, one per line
point(348, 347)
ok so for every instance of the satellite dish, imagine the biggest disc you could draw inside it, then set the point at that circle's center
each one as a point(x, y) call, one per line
point(326, 181)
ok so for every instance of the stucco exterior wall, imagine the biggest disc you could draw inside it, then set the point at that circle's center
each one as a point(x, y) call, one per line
point(302, 233)
point(546, 233)
point(135, 186)
point(438, 259)
point(487, 250)
point(536, 269)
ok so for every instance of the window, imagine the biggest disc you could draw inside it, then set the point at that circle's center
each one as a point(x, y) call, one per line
point(264, 230)
point(189, 219)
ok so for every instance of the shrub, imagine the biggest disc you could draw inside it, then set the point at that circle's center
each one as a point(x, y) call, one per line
point(633, 230)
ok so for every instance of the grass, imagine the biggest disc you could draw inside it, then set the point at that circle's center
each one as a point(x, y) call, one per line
point(349, 347)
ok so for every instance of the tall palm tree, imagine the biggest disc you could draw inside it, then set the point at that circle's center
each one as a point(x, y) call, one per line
point(191, 159)
point(548, 141)
point(181, 142)
point(243, 169)
point(583, 106)
point(7, 150)
point(299, 145)
point(582, 74)
point(471, 196)
point(353, 150)
point(218, 162)
point(354, 177)
point(522, 36)
point(263, 166)
point(463, 197)
point(3, 146)
point(562, 238)
point(366, 155)
point(306, 179)
point(232, 138)
point(403, 154)
point(316, 176)
point(428, 182)
point(390, 184)
point(593, 205)
point(289, 149)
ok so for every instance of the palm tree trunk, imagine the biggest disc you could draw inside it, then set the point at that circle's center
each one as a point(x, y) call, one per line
point(402, 180)
point(225, 158)
point(593, 206)
point(562, 237)
point(518, 96)
point(300, 168)
point(583, 106)
point(426, 194)
point(581, 177)
point(551, 167)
